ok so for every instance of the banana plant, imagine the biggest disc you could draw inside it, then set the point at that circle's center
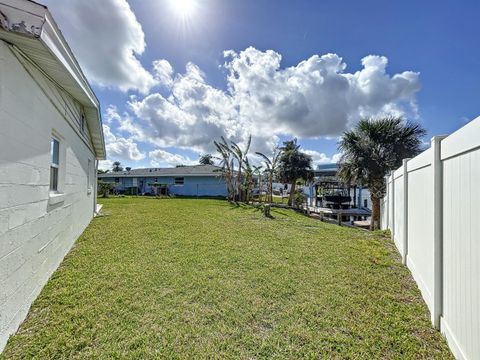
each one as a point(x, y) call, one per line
point(271, 167)
point(240, 156)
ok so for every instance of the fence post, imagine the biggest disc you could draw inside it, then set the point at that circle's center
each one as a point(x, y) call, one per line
point(387, 206)
point(392, 230)
point(437, 167)
point(405, 212)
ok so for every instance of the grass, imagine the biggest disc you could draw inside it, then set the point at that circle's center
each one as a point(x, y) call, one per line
point(198, 279)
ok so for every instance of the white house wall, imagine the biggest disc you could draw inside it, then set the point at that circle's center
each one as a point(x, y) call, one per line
point(35, 235)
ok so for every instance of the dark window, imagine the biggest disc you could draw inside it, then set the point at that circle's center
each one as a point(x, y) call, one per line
point(365, 203)
point(179, 181)
point(82, 123)
point(117, 180)
point(54, 164)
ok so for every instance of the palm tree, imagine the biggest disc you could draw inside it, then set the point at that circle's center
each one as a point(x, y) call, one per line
point(294, 165)
point(375, 147)
point(116, 166)
point(271, 167)
point(206, 159)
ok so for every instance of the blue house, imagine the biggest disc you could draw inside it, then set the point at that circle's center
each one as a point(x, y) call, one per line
point(197, 180)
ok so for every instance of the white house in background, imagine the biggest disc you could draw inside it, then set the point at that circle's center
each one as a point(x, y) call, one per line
point(50, 141)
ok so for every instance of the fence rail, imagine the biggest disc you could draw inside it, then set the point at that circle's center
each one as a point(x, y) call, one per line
point(432, 209)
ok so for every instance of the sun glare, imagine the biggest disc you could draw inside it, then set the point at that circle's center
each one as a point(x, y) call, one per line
point(183, 8)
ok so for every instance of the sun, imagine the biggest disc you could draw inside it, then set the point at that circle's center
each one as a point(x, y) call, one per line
point(183, 8)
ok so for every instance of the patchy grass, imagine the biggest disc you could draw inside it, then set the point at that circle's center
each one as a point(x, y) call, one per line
point(179, 278)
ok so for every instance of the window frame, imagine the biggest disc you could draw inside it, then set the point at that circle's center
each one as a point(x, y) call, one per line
point(89, 176)
point(54, 167)
point(179, 183)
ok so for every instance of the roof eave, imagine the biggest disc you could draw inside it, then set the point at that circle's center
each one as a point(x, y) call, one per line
point(112, 174)
point(46, 31)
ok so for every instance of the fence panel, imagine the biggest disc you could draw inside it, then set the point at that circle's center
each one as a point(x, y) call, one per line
point(391, 198)
point(433, 212)
point(461, 249)
point(420, 224)
point(398, 209)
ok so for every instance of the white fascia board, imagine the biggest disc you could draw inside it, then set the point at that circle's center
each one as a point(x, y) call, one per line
point(21, 19)
point(113, 175)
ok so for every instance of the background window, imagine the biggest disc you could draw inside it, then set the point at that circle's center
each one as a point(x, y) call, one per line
point(179, 181)
point(54, 164)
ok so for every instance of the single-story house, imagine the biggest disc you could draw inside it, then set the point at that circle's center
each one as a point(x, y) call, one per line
point(197, 180)
point(50, 142)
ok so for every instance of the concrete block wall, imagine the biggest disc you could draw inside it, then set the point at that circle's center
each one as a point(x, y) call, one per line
point(36, 234)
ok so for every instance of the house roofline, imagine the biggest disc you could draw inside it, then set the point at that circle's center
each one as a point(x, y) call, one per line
point(114, 175)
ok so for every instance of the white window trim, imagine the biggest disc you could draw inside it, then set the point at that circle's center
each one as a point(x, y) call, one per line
point(175, 181)
point(57, 196)
point(90, 176)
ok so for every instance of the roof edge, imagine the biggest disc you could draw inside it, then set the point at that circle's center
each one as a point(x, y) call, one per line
point(28, 19)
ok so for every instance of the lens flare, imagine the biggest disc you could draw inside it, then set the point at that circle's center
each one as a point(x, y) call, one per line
point(184, 8)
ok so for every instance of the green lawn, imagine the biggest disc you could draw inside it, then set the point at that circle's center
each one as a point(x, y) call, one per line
point(198, 279)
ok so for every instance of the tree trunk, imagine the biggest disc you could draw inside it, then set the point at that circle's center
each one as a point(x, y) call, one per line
point(270, 190)
point(292, 194)
point(239, 183)
point(375, 222)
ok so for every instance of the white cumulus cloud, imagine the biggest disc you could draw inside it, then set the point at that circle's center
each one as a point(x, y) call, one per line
point(107, 39)
point(319, 158)
point(121, 148)
point(313, 99)
point(162, 158)
point(317, 97)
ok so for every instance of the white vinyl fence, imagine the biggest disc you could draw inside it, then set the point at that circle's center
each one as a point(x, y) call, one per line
point(432, 209)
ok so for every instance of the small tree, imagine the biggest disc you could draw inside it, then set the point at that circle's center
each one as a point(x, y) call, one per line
point(248, 183)
point(271, 168)
point(104, 187)
point(226, 164)
point(206, 159)
point(257, 170)
point(240, 155)
point(294, 165)
point(117, 167)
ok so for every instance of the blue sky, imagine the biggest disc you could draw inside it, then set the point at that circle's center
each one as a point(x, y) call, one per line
point(431, 76)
